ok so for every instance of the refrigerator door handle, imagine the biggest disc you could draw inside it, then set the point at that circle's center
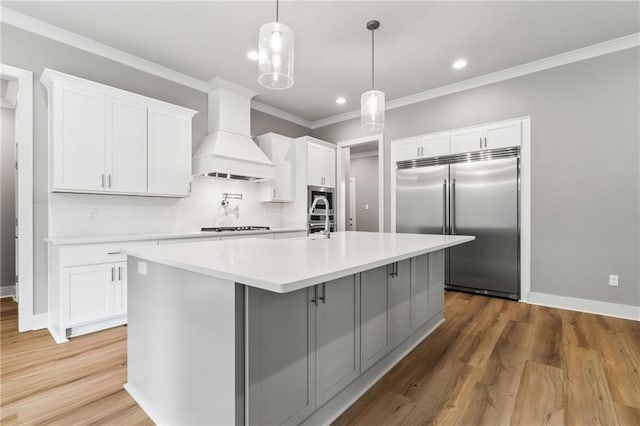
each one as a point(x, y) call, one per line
point(444, 207)
point(453, 207)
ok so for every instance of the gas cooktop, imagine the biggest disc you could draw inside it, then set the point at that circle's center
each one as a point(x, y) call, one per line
point(236, 228)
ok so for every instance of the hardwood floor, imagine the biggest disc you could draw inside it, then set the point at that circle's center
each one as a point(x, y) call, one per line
point(492, 362)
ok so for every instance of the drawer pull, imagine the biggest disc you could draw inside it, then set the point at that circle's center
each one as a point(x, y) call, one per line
point(114, 252)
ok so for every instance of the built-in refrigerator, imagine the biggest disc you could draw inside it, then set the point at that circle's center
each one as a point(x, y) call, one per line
point(473, 193)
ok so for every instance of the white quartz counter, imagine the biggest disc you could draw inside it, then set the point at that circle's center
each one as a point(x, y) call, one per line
point(160, 236)
point(286, 265)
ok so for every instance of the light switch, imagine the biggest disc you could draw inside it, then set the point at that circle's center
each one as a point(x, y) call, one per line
point(366, 206)
point(613, 280)
point(142, 268)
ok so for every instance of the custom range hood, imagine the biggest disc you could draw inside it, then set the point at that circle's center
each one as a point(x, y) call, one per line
point(228, 150)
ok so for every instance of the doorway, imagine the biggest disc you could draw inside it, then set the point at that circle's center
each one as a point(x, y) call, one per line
point(360, 189)
point(16, 170)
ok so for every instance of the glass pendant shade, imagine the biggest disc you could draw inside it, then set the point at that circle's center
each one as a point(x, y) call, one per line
point(275, 48)
point(372, 110)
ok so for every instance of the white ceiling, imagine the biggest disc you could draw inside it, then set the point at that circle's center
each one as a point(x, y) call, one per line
point(415, 45)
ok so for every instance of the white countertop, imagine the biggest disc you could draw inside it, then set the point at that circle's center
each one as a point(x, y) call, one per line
point(160, 236)
point(286, 265)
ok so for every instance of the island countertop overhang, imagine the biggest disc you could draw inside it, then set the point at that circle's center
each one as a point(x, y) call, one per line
point(287, 265)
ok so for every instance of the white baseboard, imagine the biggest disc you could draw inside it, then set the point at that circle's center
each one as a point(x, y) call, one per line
point(586, 305)
point(40, 321)
point(146, 407)
point(8, 291)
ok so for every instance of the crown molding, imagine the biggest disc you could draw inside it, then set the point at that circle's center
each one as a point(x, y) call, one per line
point(611, 46)
point(220, 83)
point(268, 109)
point(27, 23)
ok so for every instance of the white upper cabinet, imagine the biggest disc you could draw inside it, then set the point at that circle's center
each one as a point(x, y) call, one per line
point(78, 143)
point(107, 140)
point(321, 165)
point(504, 134)
point(466, 140)
point(169, 153)
point(280, 150)
point(434, 145)
point(497, 135)
point(408, 148)
point(126, 146)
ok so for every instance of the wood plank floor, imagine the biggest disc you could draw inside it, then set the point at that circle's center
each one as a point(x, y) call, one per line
point(492, 362)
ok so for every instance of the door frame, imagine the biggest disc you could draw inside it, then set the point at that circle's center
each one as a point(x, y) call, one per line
point(24, 157)
point(525, 201)
point(341, 160)
point(353, 197)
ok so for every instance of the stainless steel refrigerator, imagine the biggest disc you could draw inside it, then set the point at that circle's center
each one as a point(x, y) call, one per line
point(468, 194)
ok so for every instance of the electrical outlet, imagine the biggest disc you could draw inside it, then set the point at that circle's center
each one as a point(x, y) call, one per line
point(366, 206)
point(142, 268)
point(93, 213)
point(613, 280)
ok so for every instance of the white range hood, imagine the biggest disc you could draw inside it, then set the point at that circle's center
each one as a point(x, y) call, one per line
point(228, 150)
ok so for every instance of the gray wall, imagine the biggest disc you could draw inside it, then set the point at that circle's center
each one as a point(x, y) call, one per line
point(585, 166)
point(265, 123)
point(32, 52)
point(7, 198)
point(365, 170)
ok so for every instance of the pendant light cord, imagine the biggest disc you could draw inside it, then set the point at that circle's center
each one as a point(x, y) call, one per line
point(277, 10)
point(372, 60)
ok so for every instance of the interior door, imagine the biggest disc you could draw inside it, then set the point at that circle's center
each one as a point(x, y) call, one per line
point(421, 200)
point(484, 203)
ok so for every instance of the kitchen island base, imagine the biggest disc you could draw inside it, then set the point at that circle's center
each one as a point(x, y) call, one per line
point(203, 350)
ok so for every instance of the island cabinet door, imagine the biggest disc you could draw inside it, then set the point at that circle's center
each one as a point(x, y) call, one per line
point(436, 282)
point(337, 336)
point(399, 302)
point(420, 307)
point(281, 356)
point(374, 315)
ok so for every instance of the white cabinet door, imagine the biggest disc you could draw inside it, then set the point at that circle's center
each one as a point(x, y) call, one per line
point(281, 152)
point(467, 140)
point(126, 146)
point(169, 161)
point(87, 292)
point(408, 149)
point(504, 134)
point(434, 145)
point(337, 337)
point(329, 166)
point(120, 289)
point(79, 145)
point(281, 359)
point(374, 316)
point(315, 165)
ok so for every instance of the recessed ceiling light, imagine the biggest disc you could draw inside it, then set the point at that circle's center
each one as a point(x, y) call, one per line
point(341, 100)
point(460, 63)
point(253, 55)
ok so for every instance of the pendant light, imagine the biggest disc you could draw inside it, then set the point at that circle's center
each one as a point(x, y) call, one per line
point(372, 101)
point(275, 50)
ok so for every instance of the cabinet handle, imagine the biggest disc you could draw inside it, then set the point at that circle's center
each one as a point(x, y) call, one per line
point(481, 142)
point(113, 273)
point(394, 269)
point(119, 273)
point(422, 151)
point(418, 152)
point(189, 187)
point(315, 295)
point(324, 293)
point(109, 180)
point(274, 193)
point(485, 141)
point(113, 252)
point(102, 181)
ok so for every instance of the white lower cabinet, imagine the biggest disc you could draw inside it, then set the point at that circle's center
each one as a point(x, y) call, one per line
point(304, 347)
point(89, 293)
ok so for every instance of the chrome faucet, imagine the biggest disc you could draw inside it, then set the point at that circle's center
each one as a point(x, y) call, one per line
point(326, 232)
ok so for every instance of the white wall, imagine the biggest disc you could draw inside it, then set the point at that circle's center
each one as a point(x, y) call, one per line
point(71, 213)
point(7, 198)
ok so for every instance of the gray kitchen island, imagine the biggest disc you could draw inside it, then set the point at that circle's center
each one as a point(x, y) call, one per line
point(289, 331)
